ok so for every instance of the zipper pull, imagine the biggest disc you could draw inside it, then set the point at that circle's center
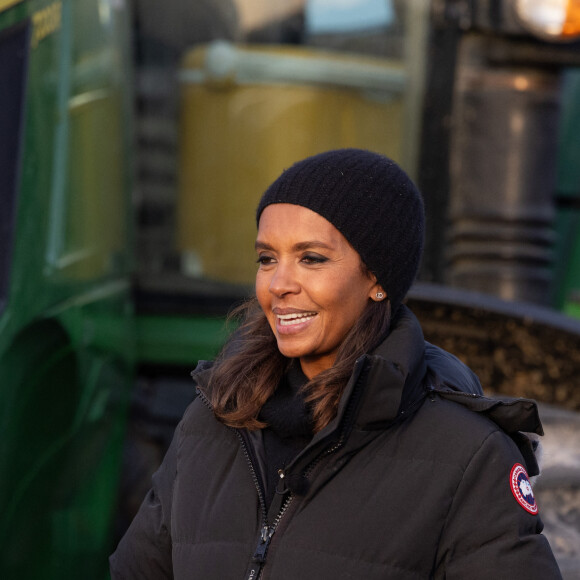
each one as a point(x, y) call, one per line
point(259, 557)
point(263, 544)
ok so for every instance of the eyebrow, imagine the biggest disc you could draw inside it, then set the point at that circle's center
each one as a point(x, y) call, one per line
point(299, 247)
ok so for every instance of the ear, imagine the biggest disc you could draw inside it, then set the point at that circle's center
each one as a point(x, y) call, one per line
point(377, 293)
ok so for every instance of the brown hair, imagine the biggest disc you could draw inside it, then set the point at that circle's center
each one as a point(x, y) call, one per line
point(250, 367)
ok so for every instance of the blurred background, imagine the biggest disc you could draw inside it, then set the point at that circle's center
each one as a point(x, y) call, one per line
point(136, 137)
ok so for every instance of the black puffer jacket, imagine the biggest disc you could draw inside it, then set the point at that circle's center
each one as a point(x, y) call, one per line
point(413, 479)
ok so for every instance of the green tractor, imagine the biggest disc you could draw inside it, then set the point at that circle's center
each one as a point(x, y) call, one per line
point(66, 323)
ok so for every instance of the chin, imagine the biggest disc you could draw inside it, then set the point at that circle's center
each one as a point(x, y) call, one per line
point(290, 351)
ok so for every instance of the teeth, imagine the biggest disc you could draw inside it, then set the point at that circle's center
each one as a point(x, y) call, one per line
point(294, 315)
point(288, 319)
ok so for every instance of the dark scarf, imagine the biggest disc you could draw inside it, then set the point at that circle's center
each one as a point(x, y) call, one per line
point(289, 426)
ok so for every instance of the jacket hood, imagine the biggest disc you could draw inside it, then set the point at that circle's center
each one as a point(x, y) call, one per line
point(395, 373)
point(398, 373)
point(449, 372)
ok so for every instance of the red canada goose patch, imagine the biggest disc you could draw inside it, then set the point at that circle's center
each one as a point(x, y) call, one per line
point(522, 489)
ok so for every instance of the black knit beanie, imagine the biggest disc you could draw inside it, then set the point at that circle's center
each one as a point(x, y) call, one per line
point(371, 201)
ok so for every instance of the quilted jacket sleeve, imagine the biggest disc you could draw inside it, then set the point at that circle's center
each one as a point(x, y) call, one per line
point(489, 532)
point(145, 550)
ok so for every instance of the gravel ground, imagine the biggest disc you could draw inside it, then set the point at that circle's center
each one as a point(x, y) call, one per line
point(517, 349)
point(558, 488)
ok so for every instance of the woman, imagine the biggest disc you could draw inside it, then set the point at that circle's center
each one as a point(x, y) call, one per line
point(329, 440)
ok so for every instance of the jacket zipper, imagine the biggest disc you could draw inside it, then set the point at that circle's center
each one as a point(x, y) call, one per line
point(267, 531)
point(259, 557)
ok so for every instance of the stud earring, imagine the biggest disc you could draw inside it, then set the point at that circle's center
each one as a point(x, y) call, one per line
point(379, 295)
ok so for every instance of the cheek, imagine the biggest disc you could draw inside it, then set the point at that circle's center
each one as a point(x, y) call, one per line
point(351, 301)
point(262, 291)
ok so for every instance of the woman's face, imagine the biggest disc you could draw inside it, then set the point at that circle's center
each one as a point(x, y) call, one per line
point(310, 284)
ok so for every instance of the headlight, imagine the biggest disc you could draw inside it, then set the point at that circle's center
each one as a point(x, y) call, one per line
point(550, 19)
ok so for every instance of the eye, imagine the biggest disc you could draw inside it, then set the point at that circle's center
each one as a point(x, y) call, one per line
point(265, 260)
point(314, 259)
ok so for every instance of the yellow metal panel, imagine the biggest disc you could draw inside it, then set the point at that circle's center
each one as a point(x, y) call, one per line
point(238, 137)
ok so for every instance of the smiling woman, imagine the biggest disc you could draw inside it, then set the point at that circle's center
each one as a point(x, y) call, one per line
point(327, 422)
point(312, 291)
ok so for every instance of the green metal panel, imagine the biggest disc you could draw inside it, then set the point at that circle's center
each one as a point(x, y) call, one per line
point(178, 340)
point(567, 275)
point(66, 334)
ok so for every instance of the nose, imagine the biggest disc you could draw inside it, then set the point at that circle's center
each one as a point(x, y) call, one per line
point(284, 281)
